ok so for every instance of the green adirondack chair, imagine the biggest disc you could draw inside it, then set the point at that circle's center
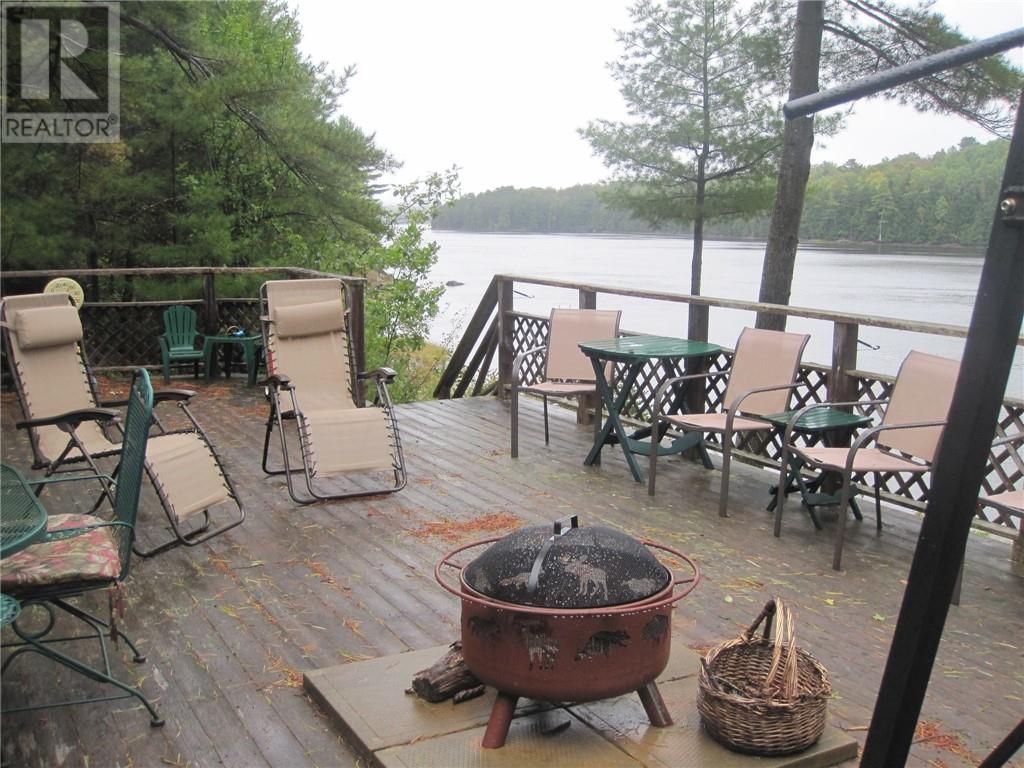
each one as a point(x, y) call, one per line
point(178, 341)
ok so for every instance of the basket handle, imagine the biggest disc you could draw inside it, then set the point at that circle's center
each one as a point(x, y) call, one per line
point(785, 640)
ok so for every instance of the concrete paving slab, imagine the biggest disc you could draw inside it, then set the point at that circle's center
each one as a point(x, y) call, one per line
point(391, 729)
point(367, 701)
point(685, 743)
point(533, 740)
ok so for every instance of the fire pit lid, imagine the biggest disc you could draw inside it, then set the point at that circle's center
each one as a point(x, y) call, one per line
point(573, 567)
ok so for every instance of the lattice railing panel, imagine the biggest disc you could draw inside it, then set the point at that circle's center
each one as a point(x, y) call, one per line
point(121, 335)
point(530, 333)
point(244, 313)
point(1005, 470)
point(124, 335)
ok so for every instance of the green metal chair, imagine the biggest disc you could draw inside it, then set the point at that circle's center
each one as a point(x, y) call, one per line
point(79, 554)
point(178, 341)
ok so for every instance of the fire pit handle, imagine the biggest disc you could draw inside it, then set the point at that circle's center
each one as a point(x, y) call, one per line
point(562, 526)
point(689, 583)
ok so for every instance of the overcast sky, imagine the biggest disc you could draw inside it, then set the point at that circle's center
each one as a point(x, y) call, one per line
point(499, 89)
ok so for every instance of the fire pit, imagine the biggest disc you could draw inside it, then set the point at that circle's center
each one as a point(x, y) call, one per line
point(570, 616)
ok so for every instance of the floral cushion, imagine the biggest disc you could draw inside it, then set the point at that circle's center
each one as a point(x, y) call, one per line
point(90, 556)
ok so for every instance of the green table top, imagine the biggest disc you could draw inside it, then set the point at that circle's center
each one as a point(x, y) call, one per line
point(22, 517)
point(633, 348)
point(232, 337)
point(820, 420)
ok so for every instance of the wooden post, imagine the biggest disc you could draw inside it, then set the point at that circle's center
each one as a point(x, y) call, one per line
point(211, 326)
point(357, 333)
point(586, 404)
point(506, 344)
point(841, 386)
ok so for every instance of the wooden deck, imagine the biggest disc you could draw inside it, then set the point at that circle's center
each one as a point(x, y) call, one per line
point(229, 626)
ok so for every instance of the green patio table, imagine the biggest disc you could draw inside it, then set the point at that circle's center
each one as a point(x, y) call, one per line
point(22, 522)
point(635, 352)
point(246, 342)
point(831, 426)
point(22, 517)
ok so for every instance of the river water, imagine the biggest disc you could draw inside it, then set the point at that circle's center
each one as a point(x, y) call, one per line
point(913, 286)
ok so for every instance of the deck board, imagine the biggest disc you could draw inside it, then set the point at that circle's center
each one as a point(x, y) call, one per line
point(230, 624)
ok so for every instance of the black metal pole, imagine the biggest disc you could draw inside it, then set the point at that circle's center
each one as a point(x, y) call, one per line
point(929, 65)
point(957, 473)
point(1005, 749)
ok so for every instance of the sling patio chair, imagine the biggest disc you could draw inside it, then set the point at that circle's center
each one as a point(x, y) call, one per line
point(760, 381)
point(1009, 503)
point(905, 441)
point(311, 383)
point(567, 371)
point(80, 553)
point(178, 341)
point(68, 425)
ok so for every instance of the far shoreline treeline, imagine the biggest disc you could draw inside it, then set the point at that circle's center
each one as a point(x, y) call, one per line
point(945, 199)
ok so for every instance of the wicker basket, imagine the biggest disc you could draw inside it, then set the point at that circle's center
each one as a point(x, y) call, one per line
point(760, 695)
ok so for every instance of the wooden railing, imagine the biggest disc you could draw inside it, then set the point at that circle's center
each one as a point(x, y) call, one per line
point(121, 335)
point(497, 326)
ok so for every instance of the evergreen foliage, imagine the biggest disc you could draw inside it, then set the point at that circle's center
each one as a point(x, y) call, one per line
point(948, 198)
point(234, 152)
point(702, 80)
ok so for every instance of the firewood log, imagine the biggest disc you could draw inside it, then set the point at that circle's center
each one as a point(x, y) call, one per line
point(445, 677)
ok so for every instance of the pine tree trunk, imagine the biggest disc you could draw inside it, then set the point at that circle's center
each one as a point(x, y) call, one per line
point(697, 319)
point(794, 167)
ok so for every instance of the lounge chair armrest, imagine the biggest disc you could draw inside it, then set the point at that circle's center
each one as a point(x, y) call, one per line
point(279, 381)
point(659, 396)
point(733, 409)
point(76, 477)
point(112, 403)
point(757, 390)
point(384, 374)
point(870, 434)
point(173, 395)
point(518, 360)
point(71, 419)
point(797, 415)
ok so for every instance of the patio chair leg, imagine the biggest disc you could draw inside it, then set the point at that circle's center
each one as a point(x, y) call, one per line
point(723, 499)
point(780, 498)
point(266, 445)
point(959, 582)
point(844, 500)
point(652, 465)
point(32, 643)
point(514, 409)
point(546, 438)
point(878, 506)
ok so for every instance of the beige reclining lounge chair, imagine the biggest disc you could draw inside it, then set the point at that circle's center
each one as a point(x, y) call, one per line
point(906, 440)
point(760, 382)
point(309, 362)
point(42, 335)
point(567, 371)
